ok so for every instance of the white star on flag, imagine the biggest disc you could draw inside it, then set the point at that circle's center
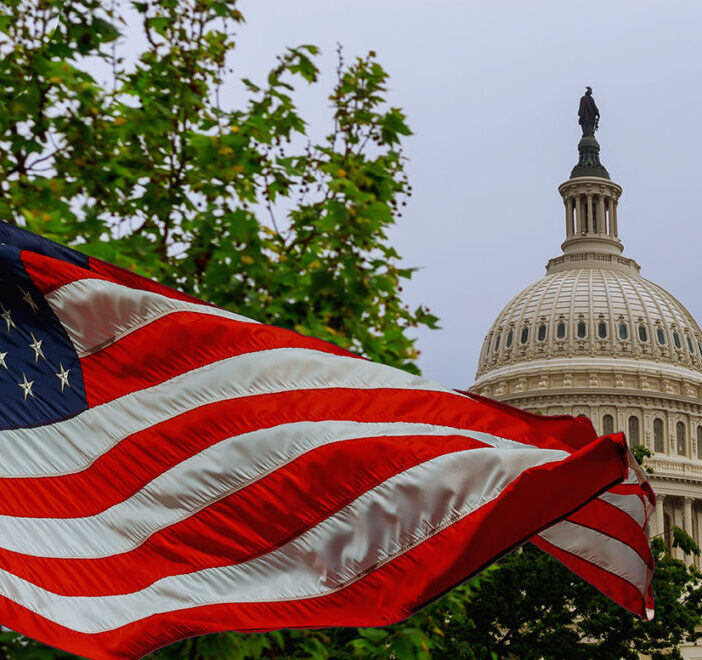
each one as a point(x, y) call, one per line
point(36, 347)
point(63, 376)
point(27, 297)
point(6, 315)
point(26, 386)
point(2, 359)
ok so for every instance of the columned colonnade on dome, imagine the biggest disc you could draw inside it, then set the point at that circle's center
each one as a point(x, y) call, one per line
point(591, 209)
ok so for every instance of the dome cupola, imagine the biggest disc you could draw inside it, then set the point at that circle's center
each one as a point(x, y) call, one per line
point(590, 198)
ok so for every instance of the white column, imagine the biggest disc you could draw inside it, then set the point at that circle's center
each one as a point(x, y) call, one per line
point(687, 521)
point(601, 219)
point(660, 524)
point(579, 215)
point(590, 219)
point(569, 216)
point(615, 229)
point(610, 214)
point(678, 521)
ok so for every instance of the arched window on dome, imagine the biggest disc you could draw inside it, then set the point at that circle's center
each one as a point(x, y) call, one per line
point(561, 330)
point(699, 442)
point(676, 340)
point(658, 444)
point(497, 342)
point(633, 435)
point(660, 335)
point(510, 337)
point(541, 334)
point(524, 337)
point(602, 330)
point(607, 424)
point(690, 347)
point(623, 331)
point(680, 438)
point(581, 330)
point(643, 333)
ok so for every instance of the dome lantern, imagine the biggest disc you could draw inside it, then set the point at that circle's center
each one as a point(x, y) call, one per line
point(590, 198)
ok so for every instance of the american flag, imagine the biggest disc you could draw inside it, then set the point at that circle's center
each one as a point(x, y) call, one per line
point(169, 468)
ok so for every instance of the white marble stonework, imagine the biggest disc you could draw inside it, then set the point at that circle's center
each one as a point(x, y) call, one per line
point(594, 337)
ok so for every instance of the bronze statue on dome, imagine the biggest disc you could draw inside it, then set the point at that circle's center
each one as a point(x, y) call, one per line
point(588, 114)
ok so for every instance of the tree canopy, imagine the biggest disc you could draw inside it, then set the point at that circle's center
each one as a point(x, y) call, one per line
point(157, 172)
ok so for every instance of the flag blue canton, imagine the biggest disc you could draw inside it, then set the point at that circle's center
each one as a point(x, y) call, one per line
point(40, 374)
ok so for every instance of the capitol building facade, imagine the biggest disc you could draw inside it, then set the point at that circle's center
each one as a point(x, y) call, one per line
point(595, 338)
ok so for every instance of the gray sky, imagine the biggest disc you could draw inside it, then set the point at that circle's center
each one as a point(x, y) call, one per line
point(491, 90)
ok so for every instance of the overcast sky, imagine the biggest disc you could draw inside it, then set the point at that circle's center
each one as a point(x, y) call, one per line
point(491, 90)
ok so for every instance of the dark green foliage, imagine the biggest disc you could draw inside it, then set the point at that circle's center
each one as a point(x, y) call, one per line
point(532, 607)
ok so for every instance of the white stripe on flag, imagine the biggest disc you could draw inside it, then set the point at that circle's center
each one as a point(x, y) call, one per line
point(96, 313)
point(629, 504)
point(599, 549)
point(74, 444)
point(378, 526)
point(197, 482)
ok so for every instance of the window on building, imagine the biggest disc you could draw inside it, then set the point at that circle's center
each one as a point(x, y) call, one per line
point(525, 336)
point(633, 431)
point(658, 444)
point(510, 337)
point(541, 335)
point(607, 424)
point(680, 437)
point(643, 334)
point(560, 330)
point(602, 330)
point(699, 442)
point(676, 340)
point(623, 331)
point(690, 347)
point(660, 336)
point(581, 330)
point(497, 342)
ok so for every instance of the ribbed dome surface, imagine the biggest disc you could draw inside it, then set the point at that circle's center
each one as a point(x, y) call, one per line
point(593, 311)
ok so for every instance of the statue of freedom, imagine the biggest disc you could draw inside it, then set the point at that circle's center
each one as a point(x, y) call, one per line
point(588, 114)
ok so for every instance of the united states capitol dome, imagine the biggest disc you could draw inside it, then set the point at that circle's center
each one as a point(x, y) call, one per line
point(595, 338)
point(593, 304)
point(593, 307)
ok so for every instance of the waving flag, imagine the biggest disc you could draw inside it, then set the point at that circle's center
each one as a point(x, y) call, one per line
point(168, 468)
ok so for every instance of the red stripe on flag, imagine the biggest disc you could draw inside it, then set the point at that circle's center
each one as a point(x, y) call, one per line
point(389, 593)
point(50, 274)
point(142, 456)
point(611, 585)
point(608, 519)
point(180, 342)
point(257, 519)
